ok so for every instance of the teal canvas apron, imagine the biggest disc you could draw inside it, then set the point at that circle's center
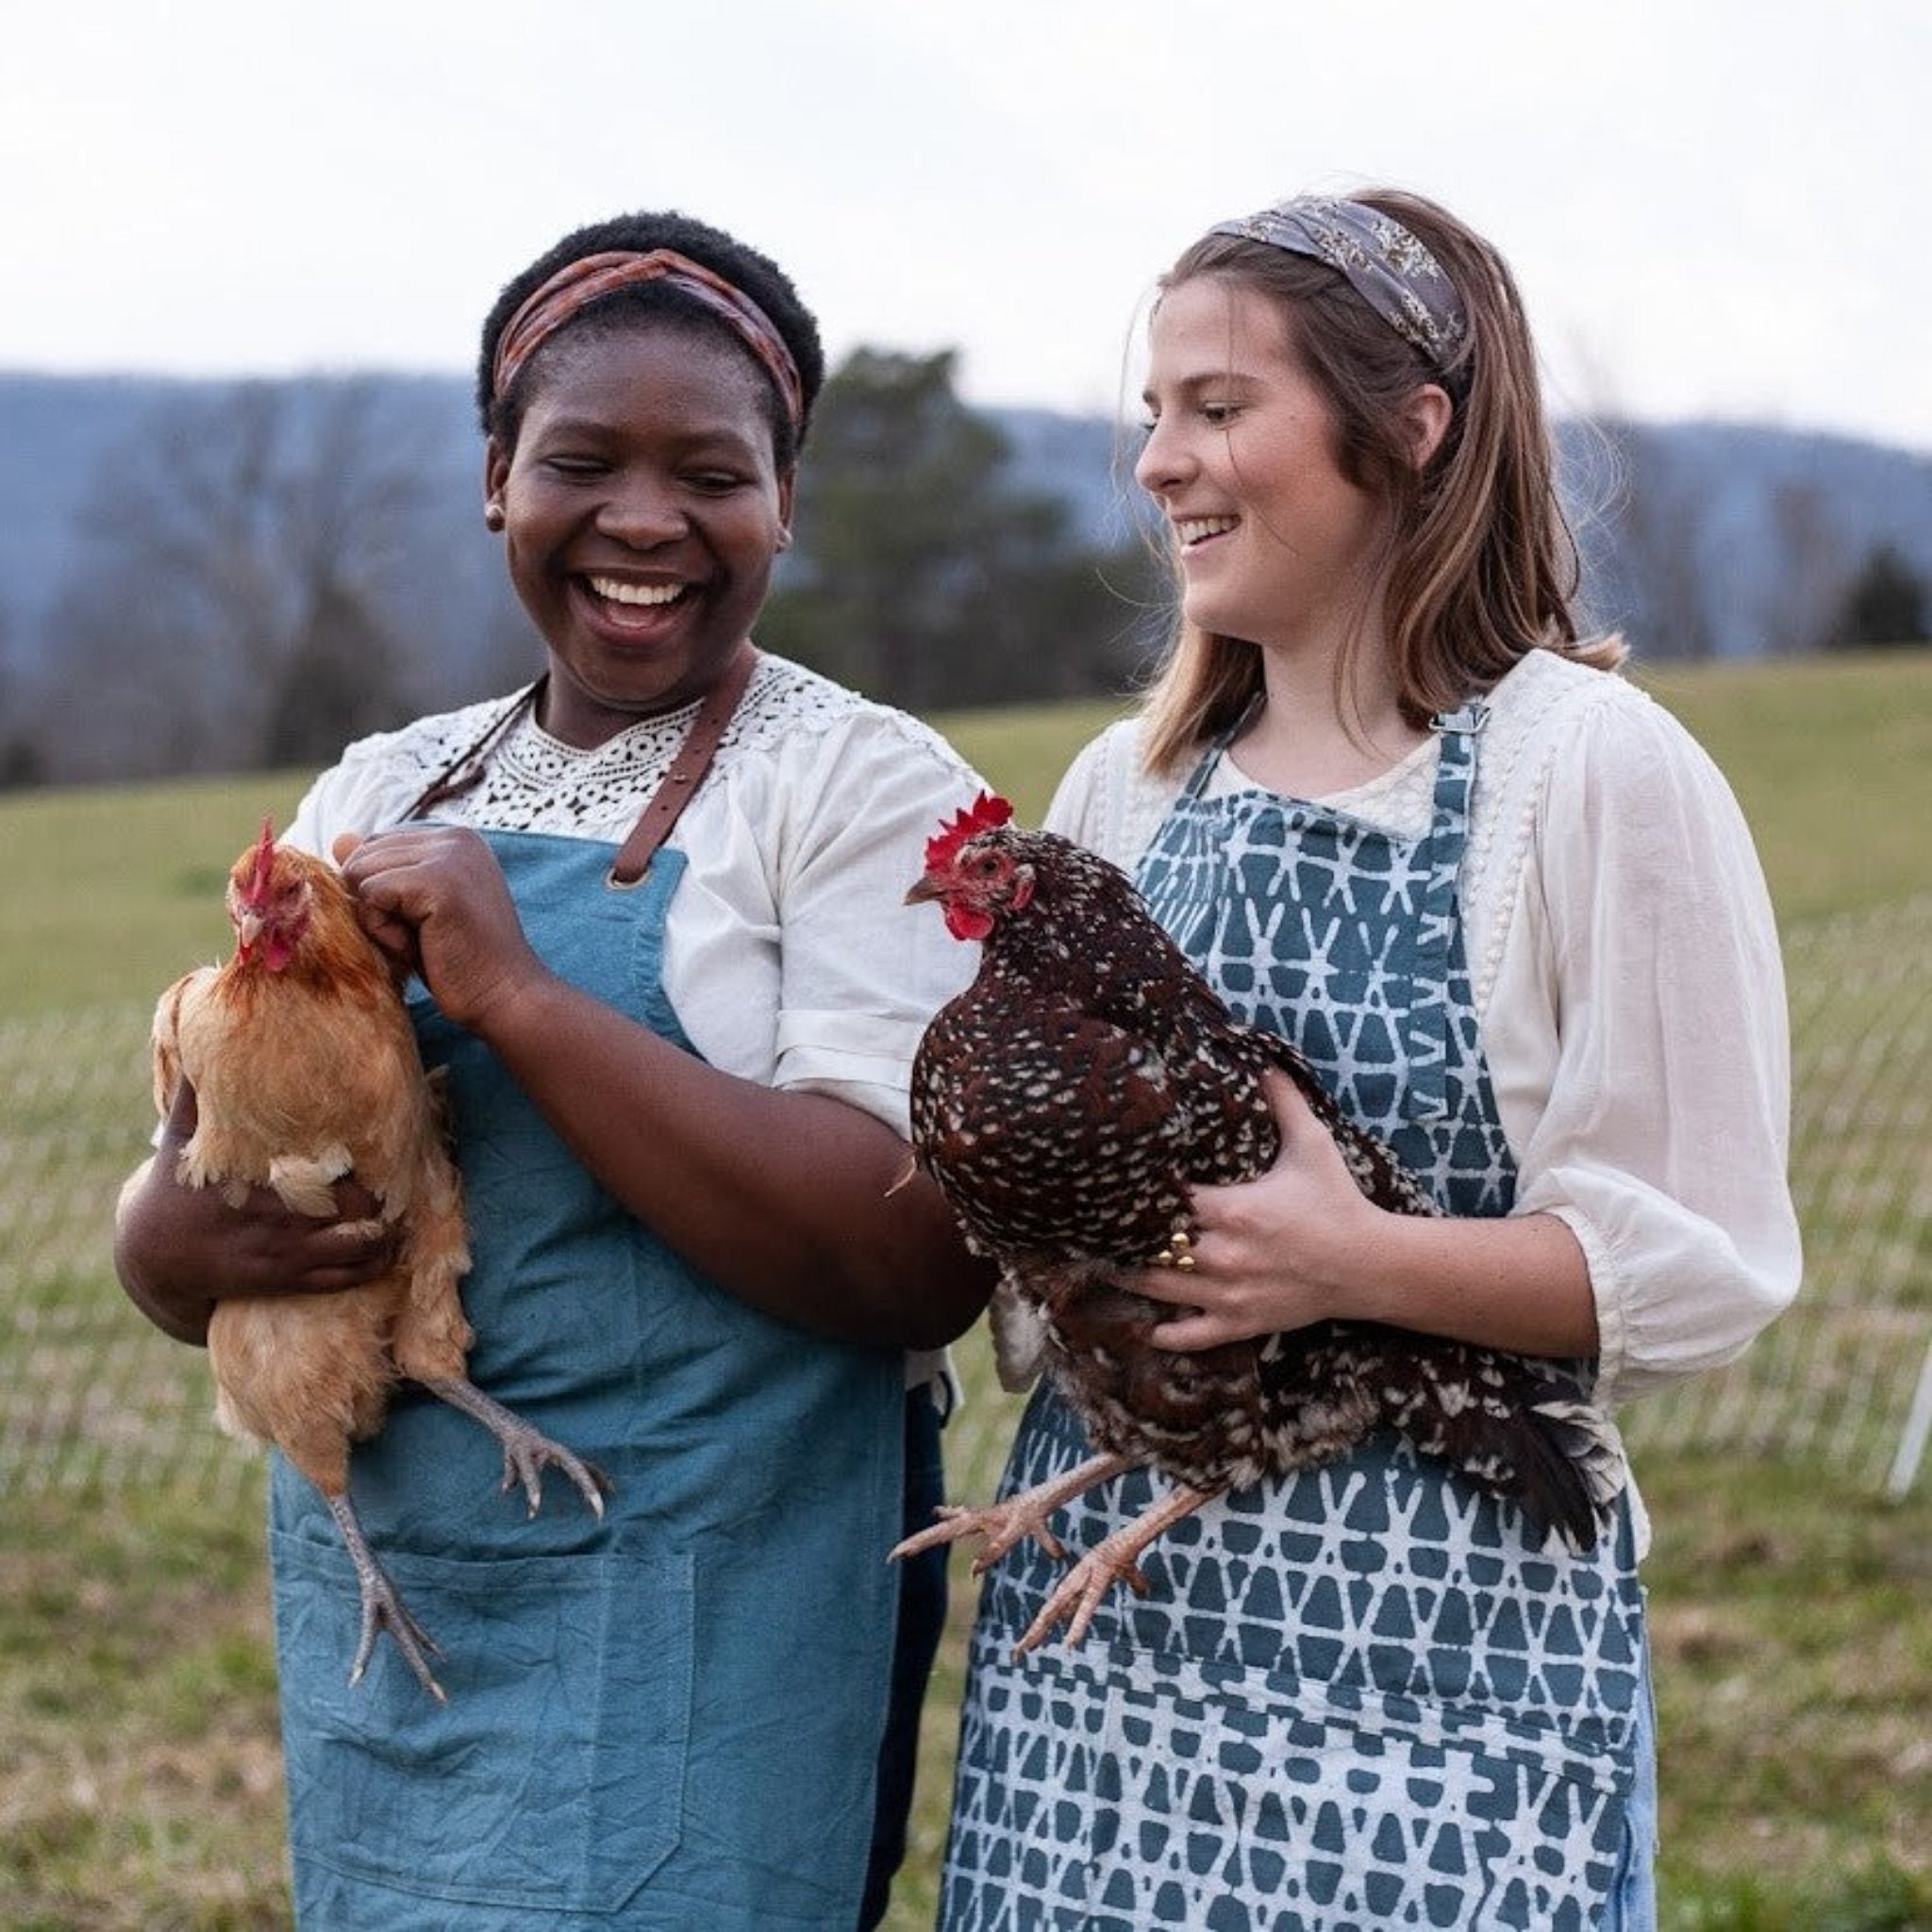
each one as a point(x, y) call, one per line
point(667, 1719)
point(1357, 1697)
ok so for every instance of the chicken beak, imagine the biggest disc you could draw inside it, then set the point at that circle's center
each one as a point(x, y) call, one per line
point(927, 890)
point(248, 925)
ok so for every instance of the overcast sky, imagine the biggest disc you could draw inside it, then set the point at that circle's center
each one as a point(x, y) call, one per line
point(1715, 206)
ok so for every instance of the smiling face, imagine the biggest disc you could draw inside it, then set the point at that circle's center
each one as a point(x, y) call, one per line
point(642, 510)
point(1276, 545)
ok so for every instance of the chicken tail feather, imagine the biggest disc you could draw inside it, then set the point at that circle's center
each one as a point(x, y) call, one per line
point(1557, 1460)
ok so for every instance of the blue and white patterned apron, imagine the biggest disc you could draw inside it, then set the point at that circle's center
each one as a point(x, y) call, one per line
point(1354, 1698)
point(666, 1720)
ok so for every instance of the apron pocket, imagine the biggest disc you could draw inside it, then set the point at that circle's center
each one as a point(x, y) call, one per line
point(1357, 1809)
point(553, 1777)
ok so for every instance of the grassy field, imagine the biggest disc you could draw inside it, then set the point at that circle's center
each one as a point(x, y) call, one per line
point(139, 1779)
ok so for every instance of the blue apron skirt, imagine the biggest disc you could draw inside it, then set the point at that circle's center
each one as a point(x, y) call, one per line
point(667, 1718)
point(1358, 1696)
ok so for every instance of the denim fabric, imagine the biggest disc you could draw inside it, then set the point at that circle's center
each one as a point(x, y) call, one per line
point(1633, 1897)
point(922, 1618)
point(664, 1718)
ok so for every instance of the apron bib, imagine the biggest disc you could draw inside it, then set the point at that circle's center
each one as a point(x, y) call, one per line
point(1351, 1698)
point(665, 1720)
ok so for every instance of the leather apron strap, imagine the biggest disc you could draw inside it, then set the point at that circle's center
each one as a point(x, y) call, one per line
point(679, 785)
point(676, 791)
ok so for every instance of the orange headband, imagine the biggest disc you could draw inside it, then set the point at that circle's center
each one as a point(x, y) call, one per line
point(579, 283)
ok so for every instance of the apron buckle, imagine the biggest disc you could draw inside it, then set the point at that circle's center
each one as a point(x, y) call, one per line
point(1466, 721)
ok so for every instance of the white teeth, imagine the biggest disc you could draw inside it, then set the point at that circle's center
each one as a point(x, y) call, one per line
point(619, 592)
point(1192, 529)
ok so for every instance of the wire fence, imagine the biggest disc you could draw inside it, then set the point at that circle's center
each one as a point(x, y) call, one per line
point(1844, 1378)
point(92, 1398)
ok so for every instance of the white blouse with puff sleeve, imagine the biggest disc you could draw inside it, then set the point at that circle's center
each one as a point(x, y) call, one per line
point(1630, 990)
point(790, 958)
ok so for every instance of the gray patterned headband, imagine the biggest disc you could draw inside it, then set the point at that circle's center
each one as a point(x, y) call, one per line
point(1385, 264)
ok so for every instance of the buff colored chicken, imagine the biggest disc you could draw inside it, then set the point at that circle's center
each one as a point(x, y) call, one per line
point(305, 1069)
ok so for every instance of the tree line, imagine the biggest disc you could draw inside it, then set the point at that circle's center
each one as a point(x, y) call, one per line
point(267, 570)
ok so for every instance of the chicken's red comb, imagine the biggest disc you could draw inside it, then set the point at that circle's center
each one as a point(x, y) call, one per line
point(264, 858)
point(982, 815)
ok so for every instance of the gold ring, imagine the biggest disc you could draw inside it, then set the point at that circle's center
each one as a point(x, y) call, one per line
point(1184, 1260)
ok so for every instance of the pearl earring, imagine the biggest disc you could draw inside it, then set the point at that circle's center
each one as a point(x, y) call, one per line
point(492, 514)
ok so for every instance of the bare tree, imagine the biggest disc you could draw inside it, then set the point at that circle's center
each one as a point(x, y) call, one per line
point(216, 540)
point(1813, 568)
point(1654, 573)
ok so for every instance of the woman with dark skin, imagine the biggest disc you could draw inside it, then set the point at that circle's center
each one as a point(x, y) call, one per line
point(679, 1113)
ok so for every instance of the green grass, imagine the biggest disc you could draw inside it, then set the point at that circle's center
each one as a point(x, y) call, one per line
point(113, 892)
point(1795, 1697)
point(139, 1778)
point(1831, 758)
point(1023, 753)
point(140, 1786)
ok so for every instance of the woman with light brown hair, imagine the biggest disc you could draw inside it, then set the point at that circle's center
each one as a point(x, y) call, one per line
point(1400, 812)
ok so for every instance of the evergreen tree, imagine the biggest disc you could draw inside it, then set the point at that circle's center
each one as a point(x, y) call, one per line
point(1885, 604)
point(922, 573)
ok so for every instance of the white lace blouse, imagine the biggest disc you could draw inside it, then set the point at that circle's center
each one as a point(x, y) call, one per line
point(791, 957)
point(1629, 989)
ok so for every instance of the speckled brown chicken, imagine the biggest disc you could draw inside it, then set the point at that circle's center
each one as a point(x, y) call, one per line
point(1066, 1104)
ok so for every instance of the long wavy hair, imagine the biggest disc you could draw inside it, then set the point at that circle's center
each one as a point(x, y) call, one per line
point(1481, 567)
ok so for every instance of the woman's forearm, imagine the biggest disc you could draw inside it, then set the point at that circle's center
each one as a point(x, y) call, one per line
point(800, 1205)
point(1301, 1243)
point(142, 1250)
point(1518, 1283)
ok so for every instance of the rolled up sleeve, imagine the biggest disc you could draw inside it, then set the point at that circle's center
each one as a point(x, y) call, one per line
point(862, 972)
point(1642, 1036)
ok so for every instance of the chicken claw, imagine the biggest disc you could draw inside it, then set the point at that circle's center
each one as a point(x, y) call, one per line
point(527, 1452)
point(1116, 1559)
point(382, 1609)
point(1006, 1525)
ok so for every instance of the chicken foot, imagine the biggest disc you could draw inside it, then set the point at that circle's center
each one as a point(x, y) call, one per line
point(382, 1609)
point(1006, 1525)
point(527, 1452)
point(1117, 1559)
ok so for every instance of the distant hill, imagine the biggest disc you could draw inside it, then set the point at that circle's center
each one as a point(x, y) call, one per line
point(1702, 539)
point(1737, 540)
point(61, 437)
point(54, 433)
point(1722, 539)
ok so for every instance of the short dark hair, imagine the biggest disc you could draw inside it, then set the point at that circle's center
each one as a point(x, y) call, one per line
point(754, 274)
